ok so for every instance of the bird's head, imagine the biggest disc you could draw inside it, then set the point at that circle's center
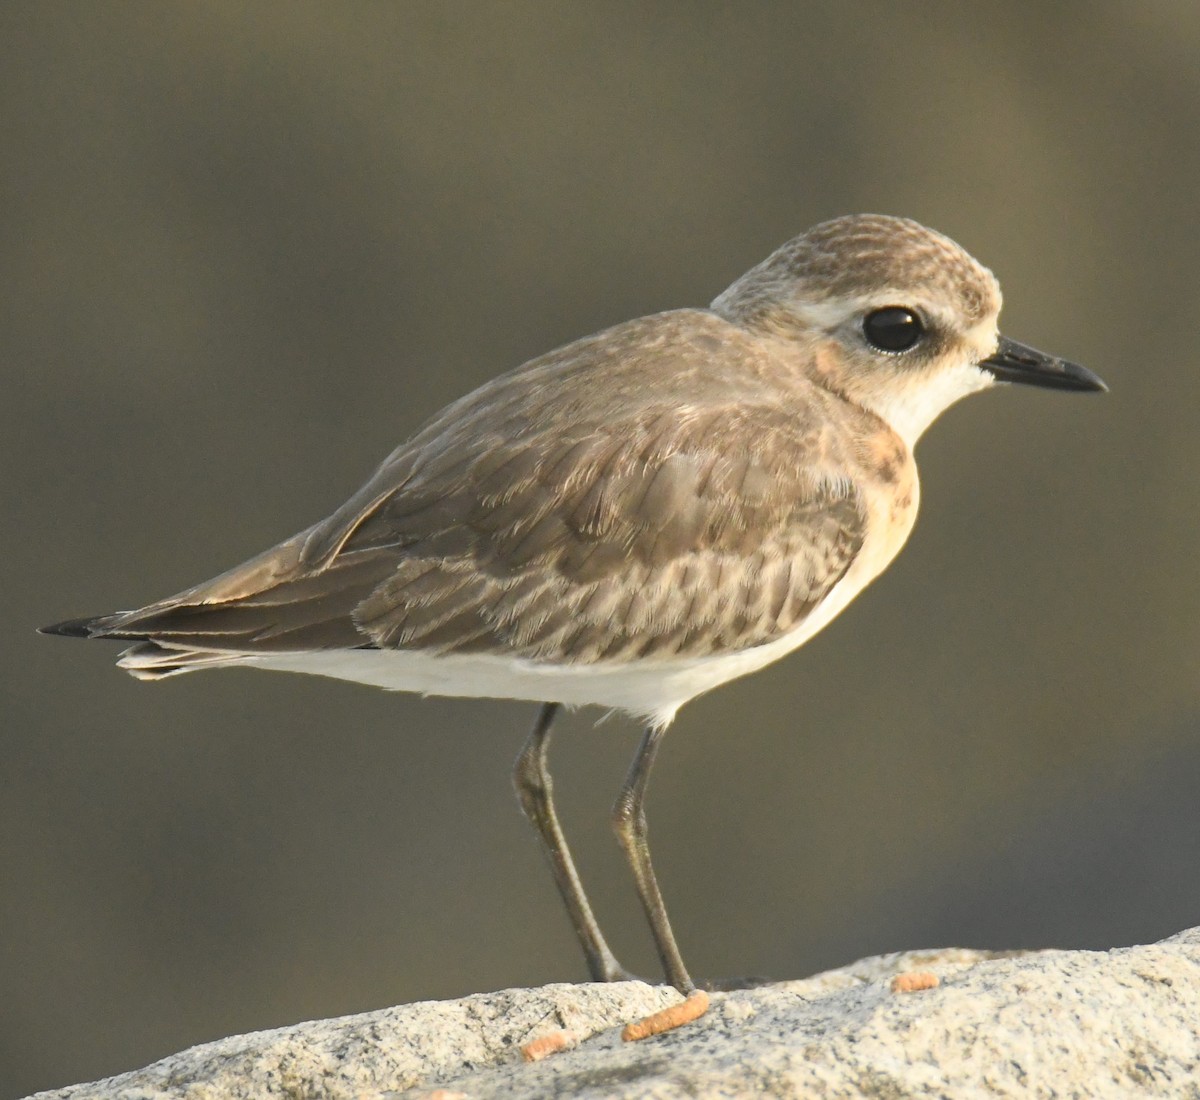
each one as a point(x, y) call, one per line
point(891, 315)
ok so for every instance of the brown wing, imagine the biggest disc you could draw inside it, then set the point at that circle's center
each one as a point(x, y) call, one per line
point(582, 508)
point(665, 538)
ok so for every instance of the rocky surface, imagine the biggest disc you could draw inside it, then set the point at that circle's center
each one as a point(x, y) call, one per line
point(1122, 1023)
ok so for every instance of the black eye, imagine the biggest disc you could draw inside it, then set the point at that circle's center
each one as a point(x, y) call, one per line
point(893, 328)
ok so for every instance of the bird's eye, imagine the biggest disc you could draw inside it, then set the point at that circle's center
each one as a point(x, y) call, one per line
point(892, 329)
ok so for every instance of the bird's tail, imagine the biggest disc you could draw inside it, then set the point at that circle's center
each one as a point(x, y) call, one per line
point(149, 659)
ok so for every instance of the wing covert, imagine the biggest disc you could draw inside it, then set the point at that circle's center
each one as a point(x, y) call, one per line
point(667, 539)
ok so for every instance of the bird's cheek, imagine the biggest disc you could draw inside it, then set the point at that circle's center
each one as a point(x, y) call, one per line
point(827, 362)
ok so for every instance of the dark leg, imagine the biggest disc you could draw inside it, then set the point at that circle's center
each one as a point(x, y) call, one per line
point(531, 776)
point(629, 821)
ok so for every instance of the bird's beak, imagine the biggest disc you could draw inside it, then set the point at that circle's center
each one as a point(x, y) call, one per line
point(1013, 362)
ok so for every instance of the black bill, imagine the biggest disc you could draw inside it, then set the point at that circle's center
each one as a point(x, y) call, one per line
point(1013, 362)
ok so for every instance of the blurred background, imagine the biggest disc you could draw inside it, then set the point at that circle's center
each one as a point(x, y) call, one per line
point(246, 250)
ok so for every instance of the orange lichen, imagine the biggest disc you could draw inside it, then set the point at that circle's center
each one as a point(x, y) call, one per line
point(537, 1049)
point(913, 981)
point(695, 1006)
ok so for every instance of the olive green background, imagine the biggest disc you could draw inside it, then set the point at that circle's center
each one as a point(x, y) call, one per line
point(248, 248)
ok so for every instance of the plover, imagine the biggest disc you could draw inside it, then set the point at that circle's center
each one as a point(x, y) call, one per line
point(630, 520)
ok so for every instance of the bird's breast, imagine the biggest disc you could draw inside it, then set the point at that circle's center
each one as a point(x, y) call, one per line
point(891, 493)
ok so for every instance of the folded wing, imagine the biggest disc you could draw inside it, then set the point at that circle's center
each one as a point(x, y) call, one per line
point(648, 528)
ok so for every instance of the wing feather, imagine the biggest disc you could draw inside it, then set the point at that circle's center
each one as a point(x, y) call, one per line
point(682, 545)
point(587, 507)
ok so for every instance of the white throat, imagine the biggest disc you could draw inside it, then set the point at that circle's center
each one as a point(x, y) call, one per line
point(910, 410)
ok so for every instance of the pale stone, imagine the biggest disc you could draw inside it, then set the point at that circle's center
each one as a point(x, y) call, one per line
point(1122, 1023)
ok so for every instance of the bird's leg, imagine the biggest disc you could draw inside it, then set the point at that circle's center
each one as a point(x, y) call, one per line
point(629, 822)
point(531, 776)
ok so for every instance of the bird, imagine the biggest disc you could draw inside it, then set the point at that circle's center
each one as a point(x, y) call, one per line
point(632, 519)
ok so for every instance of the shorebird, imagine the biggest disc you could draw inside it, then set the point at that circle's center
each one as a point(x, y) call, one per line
point(631, 520)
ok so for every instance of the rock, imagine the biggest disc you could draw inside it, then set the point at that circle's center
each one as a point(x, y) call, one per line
point(1122, 1023)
